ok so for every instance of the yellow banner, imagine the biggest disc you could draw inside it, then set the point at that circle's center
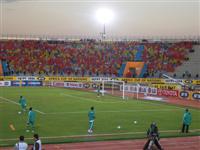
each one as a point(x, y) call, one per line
point(196, 82)
point(143, 80)
point(82, 79)
point(167, 86)
point(7, 78)
point(86, 79)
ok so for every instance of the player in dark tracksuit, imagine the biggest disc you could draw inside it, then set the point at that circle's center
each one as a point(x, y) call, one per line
point(153, 137)
point(98, 90)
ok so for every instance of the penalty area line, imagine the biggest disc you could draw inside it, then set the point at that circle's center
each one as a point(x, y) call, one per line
point(91, 100)
point(13, 102)
point(101, 135)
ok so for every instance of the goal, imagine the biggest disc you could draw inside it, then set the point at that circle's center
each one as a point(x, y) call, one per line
point(139, 91)
point(112, 87)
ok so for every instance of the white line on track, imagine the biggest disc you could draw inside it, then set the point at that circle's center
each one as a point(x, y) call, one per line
point(113, 111)
point(101, 135)
point(13, 102)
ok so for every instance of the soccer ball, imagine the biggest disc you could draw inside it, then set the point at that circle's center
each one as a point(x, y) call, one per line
point(135, 122)
point(118, 127)
point(19, 112)
point(90, 131)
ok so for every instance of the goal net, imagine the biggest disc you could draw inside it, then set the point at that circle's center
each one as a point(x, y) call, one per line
point(139, 91)
point(111, 87)
point(119, 88)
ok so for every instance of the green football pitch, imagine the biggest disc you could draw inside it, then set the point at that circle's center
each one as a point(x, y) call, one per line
point(61, 116)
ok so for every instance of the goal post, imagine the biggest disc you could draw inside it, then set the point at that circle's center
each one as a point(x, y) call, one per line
point(113, 87)
point(139, 91)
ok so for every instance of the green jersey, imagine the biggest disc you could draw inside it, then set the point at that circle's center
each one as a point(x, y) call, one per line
point(187, 118)
point(91, 115)
point(22, 102)
point(31, 116)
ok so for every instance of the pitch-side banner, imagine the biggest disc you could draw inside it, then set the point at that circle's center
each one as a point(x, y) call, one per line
point(190, 95)
point(5, 83)
point(139, 89)
point(164, 92)
point(73, 85)
point(58, 84)
point(26, 83)
point(196, 96)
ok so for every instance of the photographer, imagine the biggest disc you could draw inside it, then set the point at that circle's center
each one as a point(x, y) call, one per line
point(153, 137)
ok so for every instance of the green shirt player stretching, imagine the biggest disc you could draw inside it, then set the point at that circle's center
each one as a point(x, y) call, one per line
point(22, 102)
point(91, 116)
point(31, 120)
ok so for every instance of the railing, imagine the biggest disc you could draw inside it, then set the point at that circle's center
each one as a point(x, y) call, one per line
point(98, 37)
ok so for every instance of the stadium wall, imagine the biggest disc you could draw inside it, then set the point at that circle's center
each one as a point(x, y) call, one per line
point(87, 79)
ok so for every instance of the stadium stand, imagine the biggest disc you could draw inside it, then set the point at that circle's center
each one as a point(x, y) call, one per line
point(1, 69)
point(89, 57)
point(192, 65)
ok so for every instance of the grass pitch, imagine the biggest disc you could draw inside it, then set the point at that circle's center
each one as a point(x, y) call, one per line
point(61, 116)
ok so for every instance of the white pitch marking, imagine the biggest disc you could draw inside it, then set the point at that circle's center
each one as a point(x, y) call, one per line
point(11, 101)
point(112, 111)
point(122, 101)
point(88, 99)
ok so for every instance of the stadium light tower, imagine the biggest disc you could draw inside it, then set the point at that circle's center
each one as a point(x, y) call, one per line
point(104, 16)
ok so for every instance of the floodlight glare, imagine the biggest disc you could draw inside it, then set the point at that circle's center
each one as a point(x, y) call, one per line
point(104, 15)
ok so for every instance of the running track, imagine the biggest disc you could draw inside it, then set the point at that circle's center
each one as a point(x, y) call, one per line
point(183, 143)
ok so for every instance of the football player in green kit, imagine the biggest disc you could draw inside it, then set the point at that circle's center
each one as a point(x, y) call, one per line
point(31, 120)
point(22, 102)
point(91, 116)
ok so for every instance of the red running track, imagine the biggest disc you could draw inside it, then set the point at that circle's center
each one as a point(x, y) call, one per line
point(181, 143)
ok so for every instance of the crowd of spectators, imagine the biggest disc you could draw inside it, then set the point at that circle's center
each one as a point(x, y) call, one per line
point(164, 57)
point(87, 57)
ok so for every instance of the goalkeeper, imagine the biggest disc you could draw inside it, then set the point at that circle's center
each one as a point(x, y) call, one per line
point(22, 102)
